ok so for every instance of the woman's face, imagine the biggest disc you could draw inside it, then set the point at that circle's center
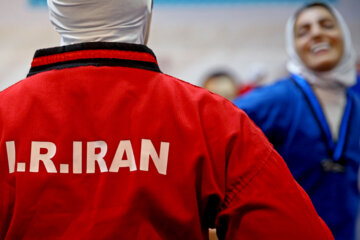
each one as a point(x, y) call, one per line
point(318, 39)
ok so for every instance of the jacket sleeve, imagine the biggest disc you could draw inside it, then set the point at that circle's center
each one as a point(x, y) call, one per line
point(262, 200)
point(7, 192)
point(7, 187)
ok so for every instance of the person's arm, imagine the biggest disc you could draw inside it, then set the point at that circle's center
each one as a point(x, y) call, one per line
point(7, 199)
point(262, 199)
point(270, 206)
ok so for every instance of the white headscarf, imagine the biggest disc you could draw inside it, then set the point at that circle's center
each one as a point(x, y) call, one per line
point(100, 20)
point(342, 75)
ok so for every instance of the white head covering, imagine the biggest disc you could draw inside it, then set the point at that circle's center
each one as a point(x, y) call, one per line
point(100, 20)
point(342, 75)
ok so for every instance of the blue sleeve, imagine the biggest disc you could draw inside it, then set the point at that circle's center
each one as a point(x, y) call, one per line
point(356, 87)
point(270, 108)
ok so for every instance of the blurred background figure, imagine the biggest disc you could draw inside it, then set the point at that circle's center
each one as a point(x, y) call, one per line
point(256, 77)
point(312, 117)
point(227, 84)
point(222, 83)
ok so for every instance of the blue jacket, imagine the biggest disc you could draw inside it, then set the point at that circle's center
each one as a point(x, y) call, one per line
point(356, 87)
point(292, 119)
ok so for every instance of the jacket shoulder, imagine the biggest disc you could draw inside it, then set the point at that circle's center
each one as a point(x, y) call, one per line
point(275, 96)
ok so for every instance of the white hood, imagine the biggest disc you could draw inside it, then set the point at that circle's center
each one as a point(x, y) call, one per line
point(101, 20)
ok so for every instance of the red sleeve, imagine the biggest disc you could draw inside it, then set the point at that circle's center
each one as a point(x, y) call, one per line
point(7, 200)
point(262, 200)
point(271, 205)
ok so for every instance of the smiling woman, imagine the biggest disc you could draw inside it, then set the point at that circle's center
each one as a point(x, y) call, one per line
point(318, 38)
point(319, 46)
point(312, 116)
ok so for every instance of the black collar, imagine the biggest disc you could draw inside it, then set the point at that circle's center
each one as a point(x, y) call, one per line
point(95, 54)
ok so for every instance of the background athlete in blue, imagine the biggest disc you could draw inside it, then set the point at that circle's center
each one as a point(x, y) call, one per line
point(312, 117)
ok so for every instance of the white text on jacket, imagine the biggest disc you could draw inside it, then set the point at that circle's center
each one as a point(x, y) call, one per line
point(95, 153)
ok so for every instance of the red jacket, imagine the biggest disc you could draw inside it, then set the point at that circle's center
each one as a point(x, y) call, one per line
point(97, 143)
